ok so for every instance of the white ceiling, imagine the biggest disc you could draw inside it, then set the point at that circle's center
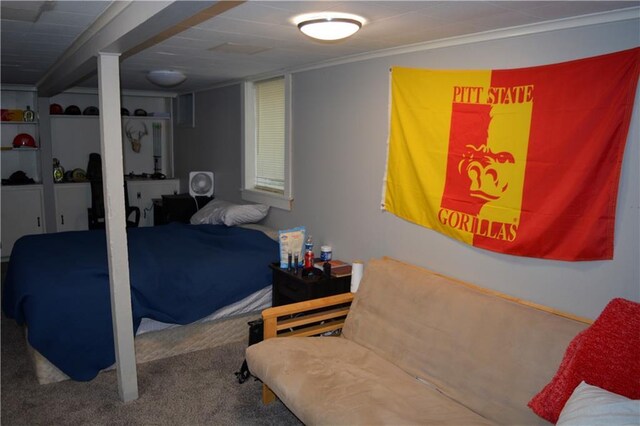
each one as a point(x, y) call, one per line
point(36, 34)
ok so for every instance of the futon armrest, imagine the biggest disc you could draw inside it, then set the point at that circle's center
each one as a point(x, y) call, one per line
point(308, 318)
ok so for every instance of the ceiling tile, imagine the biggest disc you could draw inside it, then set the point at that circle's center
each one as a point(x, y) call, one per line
point(66, 18)
point(91, 8)
point(28, 50)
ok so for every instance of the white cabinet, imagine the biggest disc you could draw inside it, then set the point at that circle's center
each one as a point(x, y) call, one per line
point(22, 214)
point(72, 202)
point(142, 193)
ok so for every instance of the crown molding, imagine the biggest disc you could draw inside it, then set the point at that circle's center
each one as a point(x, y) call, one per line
point(632, 13)
point(628, 14)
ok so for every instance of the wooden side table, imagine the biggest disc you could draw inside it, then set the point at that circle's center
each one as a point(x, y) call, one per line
point(289, 287)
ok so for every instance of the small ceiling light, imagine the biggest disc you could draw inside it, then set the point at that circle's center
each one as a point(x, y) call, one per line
point(166, 78)
point(330, 26)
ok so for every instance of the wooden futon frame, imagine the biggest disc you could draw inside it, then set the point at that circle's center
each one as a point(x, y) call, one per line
point(309, 318)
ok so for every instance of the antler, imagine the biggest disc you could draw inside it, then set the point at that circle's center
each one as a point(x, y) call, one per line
point(135, 137)
point(146, 131)
point(127, 131)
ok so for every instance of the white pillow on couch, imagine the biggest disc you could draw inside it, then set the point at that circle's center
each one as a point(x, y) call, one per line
point(218, 212)
point(591, 405)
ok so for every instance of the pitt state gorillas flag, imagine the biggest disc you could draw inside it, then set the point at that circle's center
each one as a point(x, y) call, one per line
point(521, 161)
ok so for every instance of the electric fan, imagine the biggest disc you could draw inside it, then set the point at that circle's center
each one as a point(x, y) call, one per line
point(201, 184)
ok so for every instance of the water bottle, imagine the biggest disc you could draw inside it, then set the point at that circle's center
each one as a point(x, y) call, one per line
point(308, 244)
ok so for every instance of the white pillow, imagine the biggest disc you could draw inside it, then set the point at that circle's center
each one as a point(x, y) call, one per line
point(218, 212)
point(590, 405)
point(269, 232)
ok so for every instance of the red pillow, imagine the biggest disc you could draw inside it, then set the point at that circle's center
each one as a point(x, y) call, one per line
point(606, 355)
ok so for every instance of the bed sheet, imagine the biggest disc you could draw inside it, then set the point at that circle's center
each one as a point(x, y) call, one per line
point(255, 302)
point(58, 285)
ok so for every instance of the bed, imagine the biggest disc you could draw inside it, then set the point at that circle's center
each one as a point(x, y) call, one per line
point(209, 279)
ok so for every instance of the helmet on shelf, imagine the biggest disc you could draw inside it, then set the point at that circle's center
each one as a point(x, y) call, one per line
point(55, 109)
point(72, 110)
point(124, 111)
point(91, 111)
point(24, 139)
point(140, 113)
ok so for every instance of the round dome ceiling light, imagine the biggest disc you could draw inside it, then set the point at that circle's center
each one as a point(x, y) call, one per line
point(329, 27)
point(166, 78)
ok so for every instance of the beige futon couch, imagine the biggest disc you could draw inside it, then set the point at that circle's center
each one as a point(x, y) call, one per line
point(416, 348)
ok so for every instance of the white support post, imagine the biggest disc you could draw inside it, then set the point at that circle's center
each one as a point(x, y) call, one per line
point(113, 175)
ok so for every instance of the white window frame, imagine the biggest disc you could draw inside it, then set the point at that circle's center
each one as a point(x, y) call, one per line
point(249, 192)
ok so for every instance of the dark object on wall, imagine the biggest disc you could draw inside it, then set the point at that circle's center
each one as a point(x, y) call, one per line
point(55, 109)
point(91, 111)
point(96, 213)
point(124, 111)
point(24, 140)
point(72, 110)
point(140, 113)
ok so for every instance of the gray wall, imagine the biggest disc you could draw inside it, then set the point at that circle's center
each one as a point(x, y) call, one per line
point(340, 127)
point(214, 143)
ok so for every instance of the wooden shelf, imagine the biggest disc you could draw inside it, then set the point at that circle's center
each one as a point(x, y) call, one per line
point(12, 149)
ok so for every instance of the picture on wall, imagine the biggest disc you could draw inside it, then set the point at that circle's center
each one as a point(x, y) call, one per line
point(519, 161)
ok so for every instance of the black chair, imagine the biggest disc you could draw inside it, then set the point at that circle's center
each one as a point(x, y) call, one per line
point(96, 211)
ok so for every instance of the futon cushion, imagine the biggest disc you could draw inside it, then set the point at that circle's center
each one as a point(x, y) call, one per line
point(334, 381)
point(491, 353)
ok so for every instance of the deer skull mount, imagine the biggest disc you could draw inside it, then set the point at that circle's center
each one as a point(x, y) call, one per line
point(135, 135)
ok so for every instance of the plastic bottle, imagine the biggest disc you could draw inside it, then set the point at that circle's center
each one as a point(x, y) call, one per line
point(308, 253)
point(308, 244)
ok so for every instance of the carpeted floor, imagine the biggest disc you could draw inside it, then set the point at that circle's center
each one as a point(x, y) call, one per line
point(193, 389)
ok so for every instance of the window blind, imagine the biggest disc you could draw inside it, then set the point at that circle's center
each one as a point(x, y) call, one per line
point(270, 135)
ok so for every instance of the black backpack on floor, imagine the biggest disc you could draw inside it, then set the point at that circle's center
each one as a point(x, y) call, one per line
point(256, 329)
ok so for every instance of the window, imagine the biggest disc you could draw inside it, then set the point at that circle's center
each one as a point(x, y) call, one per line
point(186, 110)
point(267, 175)
point(269, 99)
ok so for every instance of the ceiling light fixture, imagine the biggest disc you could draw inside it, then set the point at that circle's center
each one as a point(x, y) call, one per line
point(166, 78)
point(330, 26)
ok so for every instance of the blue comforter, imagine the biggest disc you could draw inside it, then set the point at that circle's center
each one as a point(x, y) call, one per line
point(58, 285)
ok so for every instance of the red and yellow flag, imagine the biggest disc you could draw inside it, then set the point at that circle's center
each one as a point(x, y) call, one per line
point(522, 161)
